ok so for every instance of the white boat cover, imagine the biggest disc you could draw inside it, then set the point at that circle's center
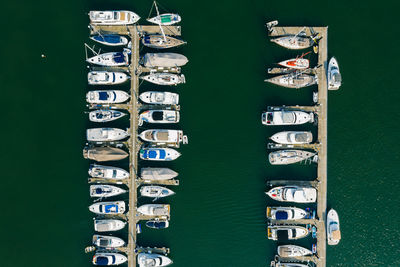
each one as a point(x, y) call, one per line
point(157, 173)
point(104, 153)
point(164, 60)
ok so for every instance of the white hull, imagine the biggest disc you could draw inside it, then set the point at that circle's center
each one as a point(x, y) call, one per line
point(155, 191)
point(334, 76)
point(107, 172)
point(290, 264)
point(114, 207)
point(157, 174)
point(108, 225)
point(103, 40)
point(285, 157)
point(165, 19)
point(107, 241)
point(161, 78)
point(106, 77)
point(333, 235)
point(101, 115)
point(160, 98)
point(152, 260)
point(111, 59)
point(118, 17)
point(295, 194)
point(289, 251)
point(107, 97)
point(154, 209)
point(103, 190)
point(292, 137)
point(162, 136)
point(109, 259)
point(105, 134)
point(293, 42)
point(286, 117)
point(285, 213)
point(295, 63)
point(159, 116)
point(292, 232)
point(159, 154)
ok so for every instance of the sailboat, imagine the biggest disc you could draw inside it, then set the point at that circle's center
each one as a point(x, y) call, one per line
point(161, 41)
point(164, 19)
point(298, 63)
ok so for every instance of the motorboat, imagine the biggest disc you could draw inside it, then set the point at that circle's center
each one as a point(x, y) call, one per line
point(297, 194)
point(159, 41)
point(106, 77)
point(294, 41)
point(161, 136)
point(292, 137)
point(108, 225)
point(111, 59)
point(163, 78)
point(107, 97)
point(285, 213)
point(287, 264)
point(291, 251)
point(113, 207)
point(159, 154)
point(334, 76)
point(154, 209)
point(286, 232)
point(104, 153)
point(107, 241)
point(286, 117)
point(294, 80)
point(165, 19)
point(333, 228)
point(107, 172)
point(159, 98)
point(157, 224)
point(165, 60)
point(285, 157)
point(113, 17)
point(110, 39)
point(105, 134)
point(298, 63)
point(152, 260)
point(104, 190)
point(108, 258)
point(155, 191)
point(105, 115)
point(157, 174)
point(159, 116)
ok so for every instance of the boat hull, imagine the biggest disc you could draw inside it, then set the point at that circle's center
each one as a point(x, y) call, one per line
point(332, 228)
point(285, 157)
point(107, 97)
point(164, 78)
point(117, 17)
point(158, 42)
point(115, 207)
point(108, 225)
point(295, 81)
point(157, 174)
point(292, 137)
point(155, 191)
point(106, 77)
point(159, 154)
point(289, 251)
point(334, 77)
point(293, 42)
point(103, 191)
point(295, 63)
point(159, 98)
point(165, 19)
point(101, 154)
point(286, 117)
point(105, 259)
point(154, 209)
point(110, 39)
point(105, 115)
point(107, 172)
point(294, 194)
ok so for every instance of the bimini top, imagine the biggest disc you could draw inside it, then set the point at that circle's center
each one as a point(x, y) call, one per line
point(152, 154)
point(288, 117)
point(281, 215)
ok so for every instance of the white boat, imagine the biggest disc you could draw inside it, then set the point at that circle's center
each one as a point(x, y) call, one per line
point(104, 153)
point(333, 228)
point(159, 154)
point(285, 213)
point(152, 260)
point(286, 117)
point(105, 134)
point(155, 191)
point(297, 194)
point(157, 174)
point(159, 41)
point(105, 190)
point(287, 264)
point(105, 259)
point(111, 59)
point(106, 77)
point(334, 76)
point(292, 137)
point(286, 232)
point(291, 251)
point(159, 98)
point(107, 172)
point(294, 41)
point(285, 157)
point(113, 207)
point(166, 60)
point(165, 19)
point(154, 209)
point(113, 17)
point(295, 80)
point(161, 136)
point(163, 78)
point(105, 115)
point(107, 97)
point(297, 63)
point(159, 116)
point(108, 225)
point(110, 39)
point(107, 241)
point(157, 224)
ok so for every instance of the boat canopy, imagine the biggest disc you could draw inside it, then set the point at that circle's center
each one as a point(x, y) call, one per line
point(101, 260)
point(281, 215)
point(158, 115)
point(161, 135)
point(103, 95)
point(164, 60)
point(301, 137)
point(282, 235)
point(156, 173)
point(288, 117)
point(111, 208)
point(119, 57)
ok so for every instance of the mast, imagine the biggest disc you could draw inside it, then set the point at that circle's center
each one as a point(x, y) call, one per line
point(159, 24)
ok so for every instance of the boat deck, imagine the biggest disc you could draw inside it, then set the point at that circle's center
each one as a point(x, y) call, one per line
point(132, 30)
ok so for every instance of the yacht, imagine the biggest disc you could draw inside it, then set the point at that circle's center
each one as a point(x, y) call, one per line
point(285, 157)
point(105, 134)
point(159, 98)
point(111, 59)
point(154, 209)
point(286, 232)
point(110, 39)
point(159, 116)
point(157, 174)
point(107, 97)
point(105, 115)
point(105, 190)
point(165, 60)
point(165, 19)
point(107, 172)
point(106, 77)
point(298, 63)
point(117, 17)
point(292, 137)
point(159, 41)
point(106, 153)
point(107, 241)
point(108, 225)
point(286, 117)
point(112, 208)
point(152, 260)
point(157, 224)
point(334, 76)
point(159, 154)
point(163, 78)
point(291, 251)
point(155, 191)
point(160, 136)
point(333, 228)
point(285, 213)
point(293, 80)
point(294, 41)
point(108, 258)
point(297, 194)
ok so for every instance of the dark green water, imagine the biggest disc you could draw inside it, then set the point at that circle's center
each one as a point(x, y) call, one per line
point(218, 212)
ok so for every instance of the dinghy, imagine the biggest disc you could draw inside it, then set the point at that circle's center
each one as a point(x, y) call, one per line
point(106, 77)
point(104, 190)
point(105, 259)
point(291, 251)
point(107, 241)
point(294, 41)
point(105, 134)
point(104, 153)
point(155, 191)
point(106, 97)
point(111, 59)
point(285, 157)
point(286, 232)
point(157, 224)
point(159, 154)
point(292, 137)
point(157, 174)
point(165, 60)
point(285, 213)
point(159, 41)
point(295, 80)
point(159, 98)
point(114, 207)
point(107, 172)
point(154, 209)
point(152, 260)
point(108, 225)
point(110, 39)
point(297, 194)
point(162, 136)
point(117, 17)
point(334, 77)
point(286, 117)
point(159, 116)
point(333, 228)
point(162, 78)
point(105, 115)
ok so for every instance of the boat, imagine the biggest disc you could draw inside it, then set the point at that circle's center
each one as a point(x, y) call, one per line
point(152, 260)
point(108, 258)
point(107, 172)
point(105, 134)
point(106, 77)
point(298, 63)
point(111, 59)
point(159, 98)
point(105, 115)
point(157, 224)
point(159, 154)
point(293, 41)
point(334, 76)
point(159, 116)
point(155, 191)
point(154, 209)
point(164, 60)
point(110, 39)
point(107, 241)
point(287, 264)
point(157, 174)
point(165, 19)
point(104, 153)
point(286, 117)
point(160, 136)
point(108, 225)
point(162, 78)
point(285, 157)
point(159, 41)
point(285, 213)
point(107, 97)
point(113, 17)
point(291, 251)
point(113, 207)
point(286, 232)
point(297, 194)
point(333, 228)
point(104, 190)
point(293, 80)
point(292, 137)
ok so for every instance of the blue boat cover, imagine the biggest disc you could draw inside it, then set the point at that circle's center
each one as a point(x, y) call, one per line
point(153, 154)
point(146, 39)
point(99, 190)
point(103, 95)
point(119, 57)
point(281, 215)
point(162, 154)
point(108, 38)
point(100, 260)
point(111, 208)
